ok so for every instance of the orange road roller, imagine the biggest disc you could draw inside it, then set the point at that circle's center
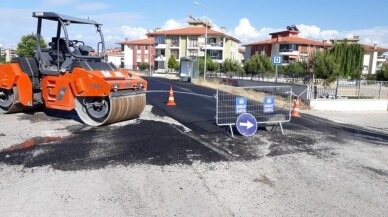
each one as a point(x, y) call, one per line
point(69, 74)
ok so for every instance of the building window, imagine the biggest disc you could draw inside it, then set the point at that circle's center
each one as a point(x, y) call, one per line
point(215, 54)
point(174, 41)
point(138, 56)
point(175, 53)
point(193, 53)
point(212, 41)
point(193, 42)
point(160, 39)
point(145, 47)
point(288, 47)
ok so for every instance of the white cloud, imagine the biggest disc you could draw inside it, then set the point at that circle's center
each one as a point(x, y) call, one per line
point(246, 33)
point(133, 33)
point(314, 32)
point(375, 35)
point(172, 24)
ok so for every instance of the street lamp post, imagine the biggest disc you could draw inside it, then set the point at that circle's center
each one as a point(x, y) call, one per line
point(149, 56)
point(204, 69)
point(149, 53)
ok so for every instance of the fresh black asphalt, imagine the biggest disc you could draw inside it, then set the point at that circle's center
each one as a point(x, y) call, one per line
point(159, 143)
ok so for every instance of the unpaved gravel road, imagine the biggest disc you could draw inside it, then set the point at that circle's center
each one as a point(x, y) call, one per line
point(304, 173)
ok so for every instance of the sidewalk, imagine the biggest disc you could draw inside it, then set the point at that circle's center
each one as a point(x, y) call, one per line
point(373, 120)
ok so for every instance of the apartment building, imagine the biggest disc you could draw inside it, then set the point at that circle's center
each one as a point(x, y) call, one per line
point(286, 43)
point(374, 58)
point(190, 41)
point(9, 53)
point(137, 51)
point(115, 56)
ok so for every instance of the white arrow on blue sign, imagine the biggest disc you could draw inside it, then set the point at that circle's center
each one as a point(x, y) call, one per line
point(246, 124)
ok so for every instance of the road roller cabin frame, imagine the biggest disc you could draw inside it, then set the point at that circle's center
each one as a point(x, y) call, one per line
point(67, 76)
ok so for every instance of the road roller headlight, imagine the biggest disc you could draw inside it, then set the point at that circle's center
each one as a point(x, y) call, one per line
point(140, 84)
point(116, 87)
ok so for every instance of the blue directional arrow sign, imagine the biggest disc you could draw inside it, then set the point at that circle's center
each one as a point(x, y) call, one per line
point(246, 124)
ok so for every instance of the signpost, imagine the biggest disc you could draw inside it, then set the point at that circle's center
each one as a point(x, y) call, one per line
point(277, 60)
point(246, 124)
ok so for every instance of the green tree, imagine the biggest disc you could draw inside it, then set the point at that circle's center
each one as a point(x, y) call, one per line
point(143, 66)
point(26, 46)
point(211, 66)
point(349, 58)
point(295, 69)
point(382, 74)
point(258, 64)
point(172, 63)
point(232, 67)
point(325, 66)
point(2, 59)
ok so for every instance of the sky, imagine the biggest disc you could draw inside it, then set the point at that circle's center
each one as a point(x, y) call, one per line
point(246, 20)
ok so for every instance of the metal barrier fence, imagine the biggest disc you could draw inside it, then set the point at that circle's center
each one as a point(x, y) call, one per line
point(359, 89)
point(278, 111)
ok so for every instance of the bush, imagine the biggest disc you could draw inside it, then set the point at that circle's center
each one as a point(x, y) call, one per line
point(143, 66)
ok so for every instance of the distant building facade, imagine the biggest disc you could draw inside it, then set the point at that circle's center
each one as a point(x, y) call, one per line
point(138, 51)
point(183, 42)
point(288, 44)
point(115, 56)
point(8, 53)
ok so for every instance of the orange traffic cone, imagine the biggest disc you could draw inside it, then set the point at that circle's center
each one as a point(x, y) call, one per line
point(171, 100)
point(296, 110)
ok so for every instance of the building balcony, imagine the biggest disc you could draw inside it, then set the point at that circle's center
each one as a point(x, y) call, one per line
point(174, 44)
point(304, 53)
point(160, 58)
point(160, 46)
point(381, 59)
point(289, 52)
point(212, 47)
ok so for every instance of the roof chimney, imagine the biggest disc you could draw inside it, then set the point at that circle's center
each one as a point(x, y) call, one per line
point(324, 41)
point(375, 46)
point(279, 38)
point(126, 39)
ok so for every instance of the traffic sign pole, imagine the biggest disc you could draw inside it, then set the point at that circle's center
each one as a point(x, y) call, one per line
point(277, 60)
point(276, 75)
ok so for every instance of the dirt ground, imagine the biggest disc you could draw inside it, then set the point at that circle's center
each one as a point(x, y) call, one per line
point(304, 173)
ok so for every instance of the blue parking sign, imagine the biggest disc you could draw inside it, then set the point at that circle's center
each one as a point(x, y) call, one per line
point(241, 105)
point(269, 104)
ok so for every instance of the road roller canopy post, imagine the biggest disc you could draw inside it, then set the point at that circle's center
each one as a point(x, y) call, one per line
point(60, 57)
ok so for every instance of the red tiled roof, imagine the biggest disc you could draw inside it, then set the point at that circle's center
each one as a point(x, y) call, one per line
point(372, 48)
point(146, 41)
point(296, 40)
point(191, 31)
